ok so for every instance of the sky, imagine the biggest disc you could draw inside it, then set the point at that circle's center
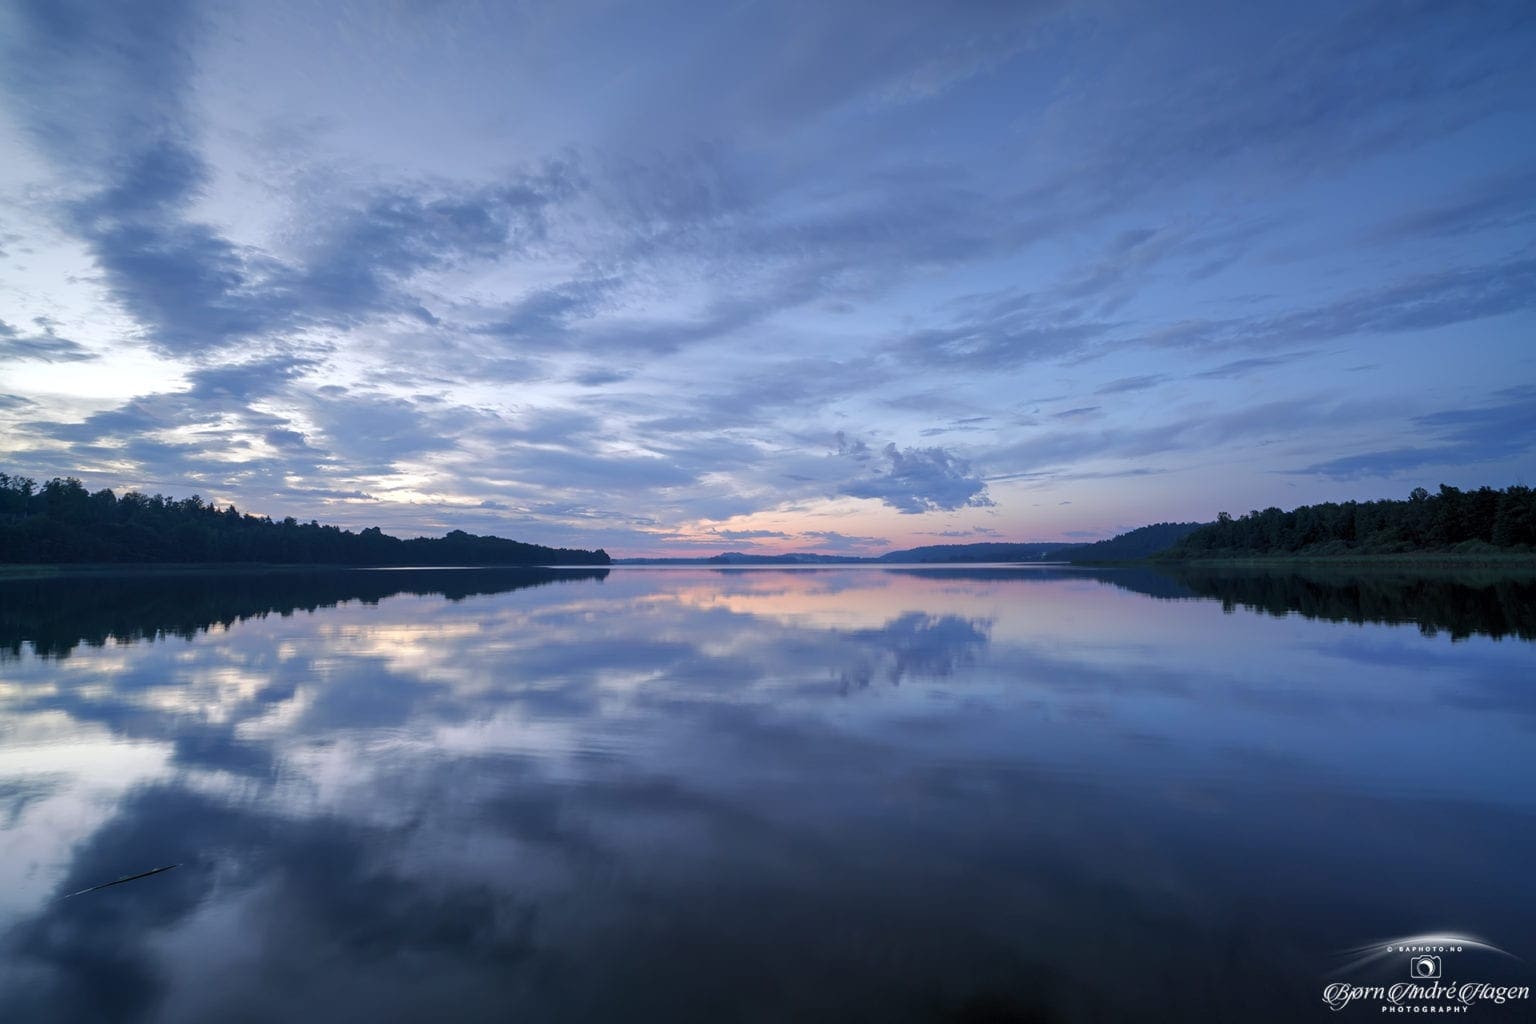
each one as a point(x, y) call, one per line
point(837, 276)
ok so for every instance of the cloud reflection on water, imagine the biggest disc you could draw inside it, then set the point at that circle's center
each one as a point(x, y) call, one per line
point(684, 794)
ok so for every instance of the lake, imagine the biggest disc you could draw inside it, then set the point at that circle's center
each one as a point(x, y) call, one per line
point(691, 794)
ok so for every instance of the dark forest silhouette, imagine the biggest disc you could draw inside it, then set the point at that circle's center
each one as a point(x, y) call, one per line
point(1461, 522)
point(61, 521)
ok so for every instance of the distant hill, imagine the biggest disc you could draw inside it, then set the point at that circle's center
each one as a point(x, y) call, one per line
point(985, 552)
point(1033, 551)
point(1142, 542)
point(793, 558)
point(742, 558)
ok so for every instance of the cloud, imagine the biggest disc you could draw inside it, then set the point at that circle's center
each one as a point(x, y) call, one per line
point(597, 377)
point(218, 432)
point(570, 469)
point(1053, 454)
point(371, 246)
point(189, 287)
point(327, 493)
point(251, 379)
point(95, 84)
point(761, 398)
point(1290, 100)
point(379, 429)
point(914, 480)
point(1495, 202)
point(192, 289)
point(1125, 384)
point(1242, 367)
point(1457, 437)
point(1003, 341)
point(104, 93)
point(1192, 248)
point(1019, 329)
point(46, 347)
point(823, 60)
point(1414, 303)
point(291, 440)
point(212, 394)
point(544, 426)
point(548, 314)
point(832, 540)
point(739, 535)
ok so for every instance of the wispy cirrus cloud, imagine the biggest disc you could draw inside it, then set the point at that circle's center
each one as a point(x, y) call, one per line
point(1499, 201)
point(1455, 437)
point(1127, 384)
point(44, 345)
point(1244, 367)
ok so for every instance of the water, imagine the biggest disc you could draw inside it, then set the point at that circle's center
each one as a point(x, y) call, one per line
point(756, 795)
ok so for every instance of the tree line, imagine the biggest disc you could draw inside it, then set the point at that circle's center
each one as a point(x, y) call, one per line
point(1462, 606)
point(1452, 520)
point(61, 521)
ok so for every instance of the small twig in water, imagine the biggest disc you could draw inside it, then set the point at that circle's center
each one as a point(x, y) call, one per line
point(120, 881)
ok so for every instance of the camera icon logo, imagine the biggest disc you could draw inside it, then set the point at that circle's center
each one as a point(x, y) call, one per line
point(1424, 967)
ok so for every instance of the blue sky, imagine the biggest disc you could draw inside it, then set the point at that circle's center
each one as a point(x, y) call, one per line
point(834, 276)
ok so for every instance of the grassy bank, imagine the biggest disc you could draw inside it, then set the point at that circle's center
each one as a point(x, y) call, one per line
point(1520, 562)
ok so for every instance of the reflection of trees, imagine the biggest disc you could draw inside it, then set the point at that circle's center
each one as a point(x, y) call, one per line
point(55, 614)
point(919, 645)
point(1462, 604)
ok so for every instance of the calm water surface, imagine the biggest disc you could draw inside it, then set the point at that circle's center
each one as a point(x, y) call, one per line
point(761, 795)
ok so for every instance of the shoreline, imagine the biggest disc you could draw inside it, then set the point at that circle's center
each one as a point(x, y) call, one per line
point(1514, 564)
point(58, 570)
point(1524, 562)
